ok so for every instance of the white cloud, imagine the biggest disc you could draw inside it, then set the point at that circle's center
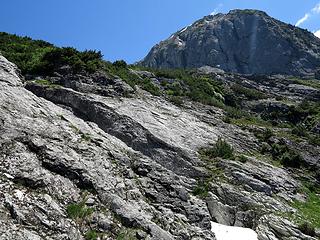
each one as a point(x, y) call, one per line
point(317, 33)
point(316, 9)
point(313, 11)
point(216, 10)
point(302, 20)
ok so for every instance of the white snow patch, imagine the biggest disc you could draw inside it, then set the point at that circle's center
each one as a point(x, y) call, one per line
point(19, 194)
point(317, 33)
point(183, 30)
point(224, 232)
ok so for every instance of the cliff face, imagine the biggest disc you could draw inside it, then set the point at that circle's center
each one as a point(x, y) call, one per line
point(242, 41)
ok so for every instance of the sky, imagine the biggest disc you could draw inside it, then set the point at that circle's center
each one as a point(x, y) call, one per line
point(127, 29)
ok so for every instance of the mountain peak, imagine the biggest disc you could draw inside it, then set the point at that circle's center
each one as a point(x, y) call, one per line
point(241, 41)
point(247, 12)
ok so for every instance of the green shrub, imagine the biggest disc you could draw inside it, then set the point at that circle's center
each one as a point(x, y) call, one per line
point(91, 235)
point(249, 93)
point(150, 87)
point(220, 149)
point(265, 135)
point(176, 100)
point(288, 157)
point(126, 234)
point(23, 51)
point(120, 64)
point(198, 88)
point(88, 60)
point(291, 159)
point(235, 113)
point(242, 158)
point(202, 189)
point(310, 210)
point(47, 83)
point(79, 211)
point(227, 119)
point(265, 148)
point(41, 58)
point(300, 130)
point(307, 229)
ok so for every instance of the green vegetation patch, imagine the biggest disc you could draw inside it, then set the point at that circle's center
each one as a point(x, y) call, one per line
point(91, 235)
point(127, 234)
point(220, 149)
point(47, 83)
point(310, 82)
point(187, 83)
point(79, 211)
point(249, 93)
point(202, 188)
point(38, 57)
point(310, 210)
point(286, 156)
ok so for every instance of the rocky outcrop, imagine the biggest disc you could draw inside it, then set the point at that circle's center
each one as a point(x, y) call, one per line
point(242, 41)
point(50, 158)
point(77, 160)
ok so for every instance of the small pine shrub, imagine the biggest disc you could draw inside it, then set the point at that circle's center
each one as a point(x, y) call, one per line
point(307, 229)
point(120, 64)
point(227, 119)
point(288, 157)
point(300, 130)
point(265, 148)
point(126, 234)
point(202, 189)
point(265, 135)
point(176, 100)
point(291, 159)
point(249, 93)
point(220, 149)
point(91, 235)
point(79, 210)
point(242, 158)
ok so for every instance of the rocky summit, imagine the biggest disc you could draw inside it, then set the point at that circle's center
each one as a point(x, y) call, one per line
point(94, 150)
point(242, 41)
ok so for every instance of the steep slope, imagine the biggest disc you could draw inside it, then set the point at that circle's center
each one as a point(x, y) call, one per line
point(242, 41)
point(75, 164)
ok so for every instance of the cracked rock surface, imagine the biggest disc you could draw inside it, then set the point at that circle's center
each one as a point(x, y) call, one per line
point(73, 160)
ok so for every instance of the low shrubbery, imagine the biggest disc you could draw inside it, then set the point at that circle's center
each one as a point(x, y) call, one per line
point(291, 158)
point(242, 158)
point(88, 61)
point(46, 83)
point(91, 235)
point(311, 83)
point(249, 93)
point(307, 229)
point(202, 189)
point(264, 135)
point(126, 234)
point(38, 57)
point(287, 156)
point(201, 89)
point(220, 149)
point(79, 211)
point(309, 213)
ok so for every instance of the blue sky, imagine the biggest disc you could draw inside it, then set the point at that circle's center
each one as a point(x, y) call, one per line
point(127, 29)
